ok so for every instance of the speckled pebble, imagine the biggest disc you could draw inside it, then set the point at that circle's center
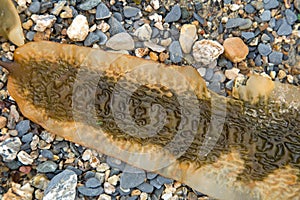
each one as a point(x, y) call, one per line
point(79, 28)
point(25, 158)
point(47, 166)
point(89, 4)
point(9, 148)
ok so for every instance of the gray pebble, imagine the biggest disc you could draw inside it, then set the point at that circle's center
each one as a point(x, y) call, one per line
point(209, 74)
point(272, 23)
point(23, 127)
point(151, 175)
point(102, 11)
point(131, 11)
point(198, 18)
point(264, 49)
point(284, 28)
point(219, 77)
point(27, 137)
point(258, 5)
point(132, 177)
point(90, 192)
point(227, 1)
point(249, 9)
point(91, 39)
point(102, 37)
point(35, 7)
point(214, 86)
point(115, 26)
point(275, 57)
point(47, 166)
point(146, 187)
point(174, 15)
point(229, 84)
point(46, 153)
point(118, 16)
point(258, 61)
point(162, 180)
point(290, 16)
point(247, 35)
point(92, 183)
point(13, 165)
point(271, 4)
point(175, 52)
point(89, 4)
point(9, 148)
point(155, 183)
point(115, 163)
point(247, 25)
point(89, 174)
point(62, 186)
point(265, 16)
point(74, 169)
point(30, 35)
point(235, 22)
point(265, 38)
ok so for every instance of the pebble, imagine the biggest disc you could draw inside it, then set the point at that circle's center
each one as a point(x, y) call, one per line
point(47, 153)
point(108, 188)
point(209, 73)
point(284, 29)
point(34, 7)
point(115, 163)
point(275, 57)
point(290, 16)
point(115, 26)
point(232, 73)
point(219, 76)
point(188, 35)
point(236, 22)
point(121, 41)
point(144, 32)
point(42, 22)
point(247, 35)
point(174, 15)
point(265, 16)
point(175, 52)
point(235, 49)
point(113, 180)
point(264, 49)
point(146, 187)
point(271, 4)
point(47, 166)
point(155, 4)
point(104, 197)
point(40, 181)
point(62, 186)
point(89, 4)
point(265, 38)
point(25, 158)
point(132, 177)
point(131, 11)
point(3, 121)
point(9, 148)
point(154, 47)
point(23, 127)
point(163, 180)
point(281, 74)
point(290, 79)
point(27, 137)
point(79, 28)
point(102, 11)
point(249, 9)
point(90, 192)
point(246, 25)
point(18, 192)
point(92, 38)
point(58, 7)
point(206, 51)
point(102, 38)
point(92, 183)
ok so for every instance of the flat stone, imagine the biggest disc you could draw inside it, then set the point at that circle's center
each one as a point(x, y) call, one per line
point(102, 37)
point(271, 4)
point(235, 22)
point(35, 7)
point(131, 11)
point(102, 11)
point(247, 35)
point(151, 175)
point(132, 177)
point(47, 166)
point(188, 35)
point(47, 153)
point(92, 38)
point(27, 137)
point(265, 38)
point(249, 9)
point(219, 76)
point(89, 4)
point(154, 47)
point(246, 25)
point(92, 183)
point(206, 51)
point(144, 32)
point(146, 187)
point(215, 86)
point(235, 49)
point(174, 15)
point(264, 49)
point(265, 16)
point(90, 192)
point(115, 163)
point(290, 16)
point(175, 52)
point(79, 28)
point(23, 127)
point(163, 180)
point(62, 186)
point(9, 148)
point(115, 26)
point(275, 57)
point(121, 41)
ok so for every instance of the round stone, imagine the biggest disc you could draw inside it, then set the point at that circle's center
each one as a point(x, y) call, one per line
point(264, 49)
point(235, 49)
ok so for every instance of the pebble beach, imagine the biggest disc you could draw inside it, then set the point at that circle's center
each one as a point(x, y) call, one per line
point(225, 41)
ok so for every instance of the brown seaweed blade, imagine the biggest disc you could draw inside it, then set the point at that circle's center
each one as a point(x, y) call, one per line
point(10, 23)
point(163, 119)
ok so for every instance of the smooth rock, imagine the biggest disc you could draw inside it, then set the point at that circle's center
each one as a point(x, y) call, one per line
point(90, 192)
point(121, 41)
point(115, 26)
point(115, 163)
point(154, 47)
point(275, 57)
point(132, 177)
point(104, 197)
point(265, 16)
point(25, 158)
point(246, 25)
point(209, 73)
point(144, 32)
point(102, 37)
point(188, 35)
point(175, 52)
point(79, 28)
point(89, 4)
point(174, 15)
point(91, 39)
point(151, 175)
point(108, 188)
point(146, 187)
point(265, 38)
point(235, 22)
point(264, 49)
point(215, 86)
point(290, 16)
point(235, 49)
point(62, 186)
point(23, 127)
point(42, 22)
point(271, 4)
point(284, 28)
point(247, 35)
point(155, 4)
point(249, 9)
point(58, 7)
point(219, 76)
point(131, 11)
point(47, 153)
point(163, 180)
point(206, 51)
point(92, 183)
point(35, 7)
point(27, 137)
point(47, 166)
point(232, 73)
point(9, 148)
point(102, 11)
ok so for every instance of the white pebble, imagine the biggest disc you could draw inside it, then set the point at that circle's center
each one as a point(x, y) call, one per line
point(79, 28)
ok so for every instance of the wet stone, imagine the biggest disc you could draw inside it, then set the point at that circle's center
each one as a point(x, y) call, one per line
point(9, 148)
point(115, 26)
point(89, 4)
point(90, 192)
point(35, 7)
point(175, 52)
point(92, 183)
point(174, 15)
point(62, 186)
point(271, 4)
point(91, 39)
point(102, 11)
point(275, 57)
point(146, 187)
point(131, 11)
point(265, 16)
point(132, 177)
point(290, 16)
point(23, 127)
point(264, 49)
point(47, 166)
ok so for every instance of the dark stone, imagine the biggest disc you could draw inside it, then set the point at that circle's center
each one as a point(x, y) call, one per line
point(174, 15)
point(23, 127)
point(90, 192)
point(102, 11)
